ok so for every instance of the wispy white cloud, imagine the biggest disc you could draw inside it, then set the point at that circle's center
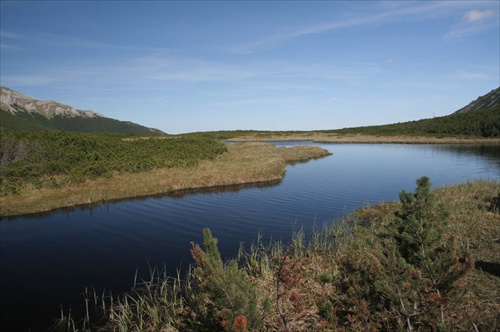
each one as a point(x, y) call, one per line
point(385, 15)
point(434, 84)
point(464, 74)
point(56, 40)
point(474, 22)
point(65, 41)
point(9, 34)
point(176, 69)
point(27, 80)
point(468, 30)
point(259, 101)
point(4, 46)
point(185, 70)
point(478, 15)
point(8, 40)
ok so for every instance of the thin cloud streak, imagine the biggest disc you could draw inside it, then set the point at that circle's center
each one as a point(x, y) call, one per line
point(469, 30)
point(432, 10)
point(259, 101)
point(178, 72)
point(28, 80)
point(64, 41)
point(11, 35)
point(464, 74)
point(478, 15)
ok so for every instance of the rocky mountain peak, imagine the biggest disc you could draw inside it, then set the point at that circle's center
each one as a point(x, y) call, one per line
point(490, 99)
point(14, 102)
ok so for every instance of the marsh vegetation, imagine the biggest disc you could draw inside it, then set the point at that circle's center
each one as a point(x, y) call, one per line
point(41, 171)
point(416, 264)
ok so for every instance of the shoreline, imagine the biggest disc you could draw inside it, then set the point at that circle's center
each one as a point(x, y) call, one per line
point(359, 138)
point(337, 269)
point(244, 164)
point(251, 162)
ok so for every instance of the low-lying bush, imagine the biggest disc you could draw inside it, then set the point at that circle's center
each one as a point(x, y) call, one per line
point(28, 157)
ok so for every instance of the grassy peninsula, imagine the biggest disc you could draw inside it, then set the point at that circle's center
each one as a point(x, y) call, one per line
point(42, 171)
point(426, 263)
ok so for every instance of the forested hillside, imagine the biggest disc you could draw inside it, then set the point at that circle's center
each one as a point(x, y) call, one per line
point(483, 123)
point(21, 112)
point(54, 158)
point(34, 122)
point(479, 123)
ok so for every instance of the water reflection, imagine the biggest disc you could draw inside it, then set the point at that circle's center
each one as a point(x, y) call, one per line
point(490, 152)
point(49, 260)
point(90, 208)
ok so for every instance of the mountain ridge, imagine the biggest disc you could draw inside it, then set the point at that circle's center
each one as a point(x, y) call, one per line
point(19, 111)
point(12, 100)
point(488, 100)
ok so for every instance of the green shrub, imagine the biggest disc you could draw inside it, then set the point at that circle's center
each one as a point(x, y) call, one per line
point(399, 279)
point(224, 295)
point(26, 157)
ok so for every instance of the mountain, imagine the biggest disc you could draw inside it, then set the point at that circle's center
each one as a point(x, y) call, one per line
point(489, 100)
point(480, 118)
point(20, 112)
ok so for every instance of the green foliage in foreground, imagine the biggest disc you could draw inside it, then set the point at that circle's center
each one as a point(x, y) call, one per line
point(44, 157)
point(225, 298)
point(404, 272)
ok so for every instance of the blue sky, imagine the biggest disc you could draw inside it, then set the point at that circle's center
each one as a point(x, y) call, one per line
point(202, 65)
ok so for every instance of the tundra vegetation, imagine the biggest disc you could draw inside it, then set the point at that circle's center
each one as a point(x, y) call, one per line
point(42, 171)
point(426, 263)
point(55, 158)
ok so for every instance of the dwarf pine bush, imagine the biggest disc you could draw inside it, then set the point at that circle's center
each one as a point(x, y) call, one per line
point(397, 276)
point(29, 157)
point(225, 298)
point(424, 246)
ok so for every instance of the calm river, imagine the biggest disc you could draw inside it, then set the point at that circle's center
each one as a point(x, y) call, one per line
point(48, 261)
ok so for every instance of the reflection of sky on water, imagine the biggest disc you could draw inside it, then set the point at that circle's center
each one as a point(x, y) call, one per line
point(49, 260)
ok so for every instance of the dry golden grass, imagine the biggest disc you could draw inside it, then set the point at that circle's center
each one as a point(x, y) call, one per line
point(243, 164)
point(475, 302)
point(475, 219)
point(358, 138)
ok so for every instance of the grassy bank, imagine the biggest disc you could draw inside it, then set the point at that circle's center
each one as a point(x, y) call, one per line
point(321, 137)
point(428, 263)
point(241, 164)
point(477, 126)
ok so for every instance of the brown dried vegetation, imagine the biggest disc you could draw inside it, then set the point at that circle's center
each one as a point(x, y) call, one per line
point(242, 164)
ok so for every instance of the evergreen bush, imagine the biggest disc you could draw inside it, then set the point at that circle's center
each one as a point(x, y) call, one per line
point(225, 299)
point(28, 157)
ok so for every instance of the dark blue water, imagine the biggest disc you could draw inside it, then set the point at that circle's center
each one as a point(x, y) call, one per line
point(48, 261)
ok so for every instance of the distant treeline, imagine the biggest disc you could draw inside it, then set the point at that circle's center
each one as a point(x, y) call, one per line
point(480, 123)
point(57, 157)
point(483, 123)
